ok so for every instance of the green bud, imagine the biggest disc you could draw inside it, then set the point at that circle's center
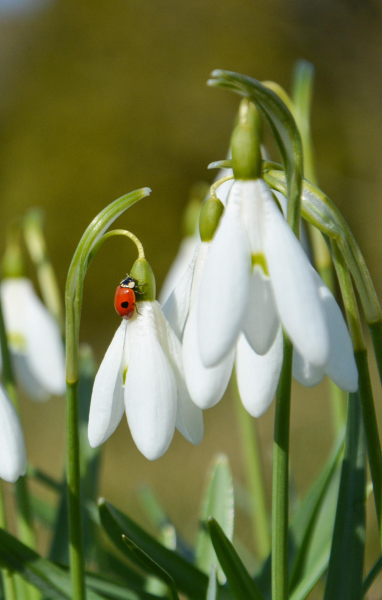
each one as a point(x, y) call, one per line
point(209, 219)
point(143, 273)
point(191, 213)
point(245, 143)
point(13, 263)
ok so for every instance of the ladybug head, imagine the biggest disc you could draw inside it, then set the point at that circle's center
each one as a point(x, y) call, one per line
point(129, 282)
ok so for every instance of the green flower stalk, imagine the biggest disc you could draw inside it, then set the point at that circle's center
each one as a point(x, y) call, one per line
point(73, 302)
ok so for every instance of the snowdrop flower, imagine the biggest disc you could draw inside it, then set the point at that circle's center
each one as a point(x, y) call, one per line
point(34, 340)
point(142, 374)
point(191, 240)
point(13, 461)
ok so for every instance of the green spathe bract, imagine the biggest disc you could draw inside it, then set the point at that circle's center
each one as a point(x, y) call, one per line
point(210, 215)
point(143, 273)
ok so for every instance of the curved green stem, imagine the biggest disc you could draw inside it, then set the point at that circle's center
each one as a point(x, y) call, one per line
point(73, 302)
point(218, 183)
point(365, 389)
point(280, 489)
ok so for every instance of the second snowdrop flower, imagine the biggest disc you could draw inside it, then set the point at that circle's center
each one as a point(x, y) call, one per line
point(257, 256)
point(142, 375)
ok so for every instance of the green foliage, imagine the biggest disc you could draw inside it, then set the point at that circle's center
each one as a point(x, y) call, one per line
point(218, 502)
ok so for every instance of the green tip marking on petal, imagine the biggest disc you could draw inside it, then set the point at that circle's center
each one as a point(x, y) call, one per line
point(124, 374)
point(259, 259)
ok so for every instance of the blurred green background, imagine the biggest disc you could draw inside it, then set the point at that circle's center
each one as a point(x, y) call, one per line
point(100, 98)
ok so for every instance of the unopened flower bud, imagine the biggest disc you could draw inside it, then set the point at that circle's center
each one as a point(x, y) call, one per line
point(209, 219)
point(143, 273)
point(245, 143)
point(13, 263)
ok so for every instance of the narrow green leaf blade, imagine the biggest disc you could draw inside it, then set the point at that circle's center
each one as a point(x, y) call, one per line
point(348, 546)
point(305, 586)
point(150, 565)
point(241, 584)
point(53, 581)
point(188, 578)
point(218, 502)
point(303, 522)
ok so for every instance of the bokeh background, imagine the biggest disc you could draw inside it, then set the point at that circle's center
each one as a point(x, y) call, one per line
point(100, 98)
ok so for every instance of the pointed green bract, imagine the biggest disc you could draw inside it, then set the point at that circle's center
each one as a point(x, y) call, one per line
point(348, 545)
point(240, 582)
point(218, 503)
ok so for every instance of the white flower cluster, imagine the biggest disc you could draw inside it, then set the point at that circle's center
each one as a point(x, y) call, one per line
point(230, 306)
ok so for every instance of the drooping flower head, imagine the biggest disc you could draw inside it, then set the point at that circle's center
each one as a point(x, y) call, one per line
point(142, 375)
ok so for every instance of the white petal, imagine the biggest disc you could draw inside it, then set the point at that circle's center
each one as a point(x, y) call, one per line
point(295, 289)
point(189, 417)
point(45, 350)
point(183, 258)
point(224, 287)
point(258, 376)
point(33, 332)
point(261, 322)
point(304, 372)
point(341, 368)
point(13, 461)
point(26, 378)
point(252, 211)
point(205, 384)
point(150, 388)
point(178, 303)
point(200, 263)
point(107, 405)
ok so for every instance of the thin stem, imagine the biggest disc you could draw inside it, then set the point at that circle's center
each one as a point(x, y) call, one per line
point(8, 579)
point(74, 489)
point(365, 389)
point(109, 234)
point(218, 183)
point(254, 476)
point(280, 499)
point(376, 335)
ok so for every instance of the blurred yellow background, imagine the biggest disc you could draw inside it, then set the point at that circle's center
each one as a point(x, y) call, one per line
point(100, 98)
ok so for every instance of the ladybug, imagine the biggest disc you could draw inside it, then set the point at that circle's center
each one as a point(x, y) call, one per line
point(124, 300)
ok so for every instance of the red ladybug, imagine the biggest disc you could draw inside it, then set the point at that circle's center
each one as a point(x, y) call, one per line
point(124, 300)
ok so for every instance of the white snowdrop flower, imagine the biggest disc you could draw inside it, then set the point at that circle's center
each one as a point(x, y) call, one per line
point(34, 340)
point(263, 261)
point(13, 461)
point(189, 244)
point(142, 374)
point(205, 385)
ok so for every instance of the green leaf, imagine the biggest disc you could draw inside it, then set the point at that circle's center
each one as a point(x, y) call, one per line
point(305, 518)
point(283, 127)
point(53, 581)
point(344, 580)
point(115, 590)
point(188, 579)
point(240, 582)
point(371, 576)
point(212, 590)
point(44, 511)
point(150, 565)
point(218, 502)
point(305, 586)
point(153, 508)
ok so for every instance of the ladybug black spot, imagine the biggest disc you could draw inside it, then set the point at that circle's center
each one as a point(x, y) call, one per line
point(125, 304)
